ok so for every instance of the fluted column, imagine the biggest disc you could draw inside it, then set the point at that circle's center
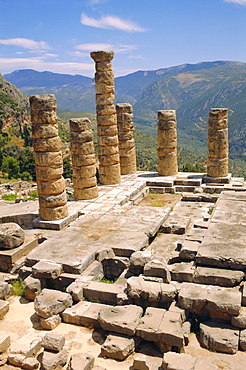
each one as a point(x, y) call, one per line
point(126, 140)
point(218, 143)
point(48, 158)
point(83, 159)
point(167, 143)
point(108, 149)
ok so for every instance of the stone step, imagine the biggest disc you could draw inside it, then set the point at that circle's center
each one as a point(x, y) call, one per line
point(101, 292)
point(8, 257)
point(216, 276)
point(188, 182)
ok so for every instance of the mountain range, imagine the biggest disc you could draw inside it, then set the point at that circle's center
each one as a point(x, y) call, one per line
point(191, 89)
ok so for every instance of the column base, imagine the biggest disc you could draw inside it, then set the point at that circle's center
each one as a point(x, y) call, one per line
point(216, 180)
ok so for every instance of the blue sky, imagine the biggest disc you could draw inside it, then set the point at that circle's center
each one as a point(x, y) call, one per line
point(58, 35)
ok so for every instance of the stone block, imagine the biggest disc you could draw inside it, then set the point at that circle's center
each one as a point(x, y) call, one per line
point(178, 361)
point(4, 308)
point(16, 359)
point(51, 322)
point(149, 324)
point(223, 300)
point(142, 362)
point(73, 314)
point(175, 308)
point(11, 235)
point(170, 331)
point(76, 290)
point(216, 276)
point(30, 363)
point(32, 288)
point(102, 292)
point(120, 319)
point(186, 329)
point(218, 337)
point(46, 270)
point(51, 302)
point(81, 361)
point(53, 342)
point(5, 290)
point(240, 320)
point(158, 268)
point(117, 347)
point(242, 340)
point(53, 361)
point(4, 342)
point(244, 295)
point(89, 318)
point(189, 250)
point(182, 271)
point(138, 260)
point(27, 346)
point(192, 297)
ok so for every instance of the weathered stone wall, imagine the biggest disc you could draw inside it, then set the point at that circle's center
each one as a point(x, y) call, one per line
point(167, 143)
point(218, 142)
point(126, 140)
point(83, 159)
point(48, 158)
point(108, 149)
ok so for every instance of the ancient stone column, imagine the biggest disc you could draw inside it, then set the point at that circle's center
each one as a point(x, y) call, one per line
point(167, 143)
point(108, 149)
point(48, 158)
point(83, 159)
point(126, 140)
point(218, 143)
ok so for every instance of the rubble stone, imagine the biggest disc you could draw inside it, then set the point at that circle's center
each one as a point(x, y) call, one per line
point(178, 361)
point(81, 361)
point(28, 345)
point(11, 235)
point(53, 342)
point(4, 308)
point(158, 268)
point(117, 347)
point(4, 342)
point(51, 302)
point(30, 363)
point(219, 337)
point(32, 287)
point(51, 322)
point(53, 361)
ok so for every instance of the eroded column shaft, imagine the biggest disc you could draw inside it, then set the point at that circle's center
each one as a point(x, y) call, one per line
point(48, 158)
point(217, 143)
point(126, 140)
point(108, 149)
point(167, 143)
point(83, 159)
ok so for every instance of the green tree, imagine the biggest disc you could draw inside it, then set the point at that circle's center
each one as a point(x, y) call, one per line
point(67, 167)
point(11, 166)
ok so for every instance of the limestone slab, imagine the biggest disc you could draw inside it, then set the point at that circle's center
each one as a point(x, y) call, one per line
point(223, 300)
point(178, 361)
point(219, 337)
point(120, 319)
point(81, 361)
point(216, 276)
point(192, 297)
point(149, 323)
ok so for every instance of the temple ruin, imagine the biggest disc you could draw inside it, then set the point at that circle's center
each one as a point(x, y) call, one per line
point(124, 284)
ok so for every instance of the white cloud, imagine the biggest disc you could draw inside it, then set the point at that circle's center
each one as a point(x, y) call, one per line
point(39, 64)
point(136, 57)
point(91, 47)
point(111, 22)
point(241, 2)
point(115, 48)
point(26, 43)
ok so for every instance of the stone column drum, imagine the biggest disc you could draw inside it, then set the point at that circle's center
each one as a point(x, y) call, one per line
point(48, 158)
point(108, 149)
point(217, 143)
point(167, 143)
point(126, 140)
point(83, 159)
